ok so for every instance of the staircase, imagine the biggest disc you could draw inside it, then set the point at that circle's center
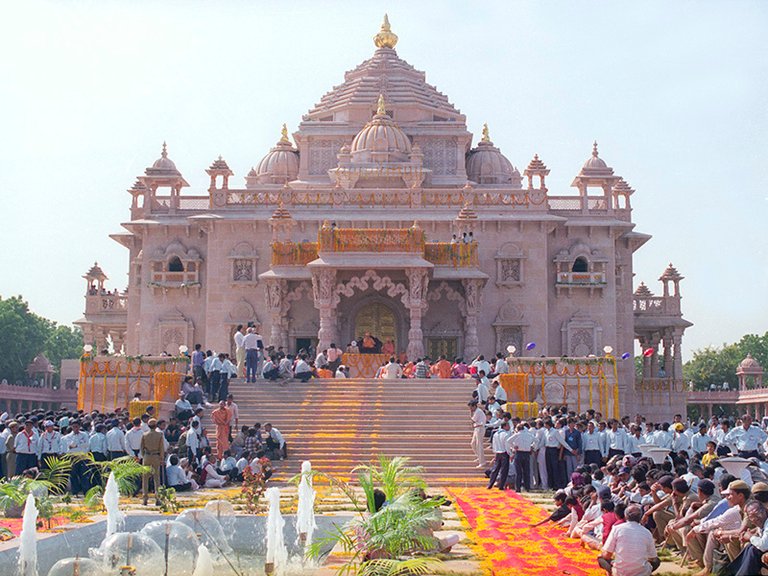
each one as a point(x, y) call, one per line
point(340, 423)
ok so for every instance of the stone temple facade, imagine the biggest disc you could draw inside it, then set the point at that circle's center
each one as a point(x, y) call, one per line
point(347, 228)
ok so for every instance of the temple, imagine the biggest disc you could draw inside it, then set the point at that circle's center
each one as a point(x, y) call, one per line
point(381, 214)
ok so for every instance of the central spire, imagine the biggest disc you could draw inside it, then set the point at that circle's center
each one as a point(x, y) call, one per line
point(385, 38)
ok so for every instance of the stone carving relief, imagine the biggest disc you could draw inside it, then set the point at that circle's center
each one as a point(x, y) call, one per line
point(244, 258)
point(372, 280)
point(243, 312)
point(509, 265)
point(242, 270)
point(581, 336)
point(173, 330)
point(451, 294)
point(322, 155)
point(322, 287)
point(440, 155)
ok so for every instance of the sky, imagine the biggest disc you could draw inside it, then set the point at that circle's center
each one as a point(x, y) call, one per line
point(675, 93)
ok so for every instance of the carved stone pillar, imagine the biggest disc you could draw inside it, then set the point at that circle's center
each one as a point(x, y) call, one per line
point(655, 357)
point(418, 281)
point(118, 339)
point(323, 281)
point(677, 362)
point(473, 302)
point(667, 343)
point(276, 305)
point(645, 343)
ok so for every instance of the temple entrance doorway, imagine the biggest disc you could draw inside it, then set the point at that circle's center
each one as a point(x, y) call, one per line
point(304, 344)
point(439, 346)
point(378, 320)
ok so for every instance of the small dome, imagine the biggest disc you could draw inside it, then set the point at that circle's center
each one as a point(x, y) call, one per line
point(643, 291)
point(163, 166)
point(280, 165)
point(749, 363)
point(595, 166)
point(380, 140)
point(487, 165)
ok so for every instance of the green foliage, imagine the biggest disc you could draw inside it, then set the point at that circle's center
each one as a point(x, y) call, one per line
point(718, 364)
point(25, 334)
point(127, 470)
point(166, 498)
point(385, 543)
point(393, 475)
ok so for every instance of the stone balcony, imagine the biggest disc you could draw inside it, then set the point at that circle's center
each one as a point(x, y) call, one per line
point(106, 303)
point(656, 305)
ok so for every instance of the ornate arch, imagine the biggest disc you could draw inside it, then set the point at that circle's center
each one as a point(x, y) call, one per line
point(371, 280)
point(451, 294)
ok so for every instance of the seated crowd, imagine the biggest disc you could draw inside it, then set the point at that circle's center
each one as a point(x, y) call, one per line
point(615, 499)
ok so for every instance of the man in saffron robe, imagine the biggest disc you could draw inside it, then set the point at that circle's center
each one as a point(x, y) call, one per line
point(221, 418)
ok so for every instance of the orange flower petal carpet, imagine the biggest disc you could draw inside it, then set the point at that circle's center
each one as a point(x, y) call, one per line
point(500, 529)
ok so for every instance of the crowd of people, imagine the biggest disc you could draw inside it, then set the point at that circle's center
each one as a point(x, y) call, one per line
point(611, 496)
point(178, 449)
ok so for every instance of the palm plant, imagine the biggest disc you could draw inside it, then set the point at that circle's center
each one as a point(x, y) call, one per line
point(394, 476)
point(14, 491)
point(127, 470)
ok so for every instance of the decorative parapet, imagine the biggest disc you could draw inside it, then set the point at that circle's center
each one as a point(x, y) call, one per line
point(656, 305)
point(106, 303)
point(456, 254)
point(293, 254)
point(580, 278)
point(409, 240)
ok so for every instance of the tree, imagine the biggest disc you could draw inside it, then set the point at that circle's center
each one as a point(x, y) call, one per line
point(715, 365)
point(24, 334)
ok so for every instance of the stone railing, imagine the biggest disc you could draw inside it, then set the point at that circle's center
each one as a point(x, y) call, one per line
point(451, 254)
point(174, 279)
point(581, 278)
point(371, 240)
point(656, 305)
point(293, 253)
point(714, 396)
point(106, 303)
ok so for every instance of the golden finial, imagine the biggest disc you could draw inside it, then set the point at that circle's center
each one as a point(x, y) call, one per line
point(382, 109)
point(385, 38)
point(164, 153)
point(594, 149)
point(284, 135)
point(486, 136)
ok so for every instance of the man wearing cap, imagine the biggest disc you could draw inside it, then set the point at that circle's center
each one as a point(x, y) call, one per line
point(746, 438)
point(153, 455)
point(50, 444)
point(26, 446)
point(253, 345)
point(76, 442)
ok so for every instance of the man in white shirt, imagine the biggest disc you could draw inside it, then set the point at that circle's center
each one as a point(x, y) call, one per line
point(699, 441)
point(116, 446)
point(393, 369)
point(500, 467)
point(477, 417)
point(50, 443)
point(482, 364)
point(76, 442)
point(320, 360)
point(26, 446)
point(133, 437)
point(482, 390)
point(629, 549)
point(747, 438)
point(239, 339)
point(253, 345)
point(175, 477)
point(302, 371)
point(520, 445)
point(275, 441)
point(192, 437)
point(501, 366)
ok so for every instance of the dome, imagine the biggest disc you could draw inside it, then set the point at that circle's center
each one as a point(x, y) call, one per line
point(487, 165)
point(380, 140)
point(749, 363)
point(163, 164)
point(595, 166)
point(280, 165)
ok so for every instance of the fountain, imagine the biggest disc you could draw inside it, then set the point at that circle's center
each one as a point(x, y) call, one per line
point(277, 553)
point(305, 513)
point(659, 455)
point(225, 514)
point(178, 543)
point(734, 465)
point(28, 545)
point(75, 567)
point(645, 450)
point(127, 552)
point(204, 565)
point(115, 518)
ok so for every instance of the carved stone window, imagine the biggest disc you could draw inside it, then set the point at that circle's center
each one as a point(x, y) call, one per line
point(580, 267)
point(175, 267)
point(244, 261)
point(509, 265)
point(581, 336)
point(509, 326)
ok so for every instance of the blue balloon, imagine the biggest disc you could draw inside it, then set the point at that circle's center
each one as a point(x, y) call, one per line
point(530, 346)
point(625, 355)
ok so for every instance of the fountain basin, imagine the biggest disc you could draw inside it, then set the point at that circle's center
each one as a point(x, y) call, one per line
point(248, 542)
point(734, 465)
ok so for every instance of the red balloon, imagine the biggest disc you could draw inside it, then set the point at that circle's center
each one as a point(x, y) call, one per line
point(649, 352)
